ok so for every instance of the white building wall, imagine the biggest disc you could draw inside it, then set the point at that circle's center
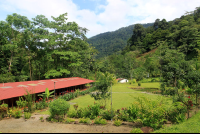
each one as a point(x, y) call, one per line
point(123, 81)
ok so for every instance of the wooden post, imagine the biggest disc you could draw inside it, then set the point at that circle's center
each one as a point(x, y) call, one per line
point(12, 103)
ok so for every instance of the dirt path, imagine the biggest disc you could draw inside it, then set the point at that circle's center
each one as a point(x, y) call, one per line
point(34, 125)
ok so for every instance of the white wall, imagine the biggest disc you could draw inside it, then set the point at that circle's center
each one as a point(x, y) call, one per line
point(123, 81)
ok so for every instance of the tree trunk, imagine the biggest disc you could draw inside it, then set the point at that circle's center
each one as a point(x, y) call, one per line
point(39, 71)
point(30, 67)
point(10, 63)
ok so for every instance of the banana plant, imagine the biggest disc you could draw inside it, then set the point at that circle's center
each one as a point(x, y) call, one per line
point(46, 94)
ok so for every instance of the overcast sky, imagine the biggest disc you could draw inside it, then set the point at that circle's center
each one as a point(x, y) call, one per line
point(100, 16)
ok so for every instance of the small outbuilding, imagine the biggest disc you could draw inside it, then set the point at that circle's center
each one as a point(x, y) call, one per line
point(122, 80)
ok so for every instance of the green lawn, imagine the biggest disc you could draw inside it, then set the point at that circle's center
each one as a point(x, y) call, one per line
point(147, 85)
point(121, 96)
point(189, 126)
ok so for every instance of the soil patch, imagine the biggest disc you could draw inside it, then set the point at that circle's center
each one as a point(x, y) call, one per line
point(34, 125)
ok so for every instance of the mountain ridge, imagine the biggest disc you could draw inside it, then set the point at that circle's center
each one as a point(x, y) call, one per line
point(112, 41)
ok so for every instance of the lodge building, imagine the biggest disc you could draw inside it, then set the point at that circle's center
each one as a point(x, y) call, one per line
point(10, 92)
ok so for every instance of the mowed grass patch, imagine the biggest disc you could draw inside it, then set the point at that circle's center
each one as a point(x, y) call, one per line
point(145, 86)
point(124, 87)
point(151, 85)
point(120, 100)
point(189, 126)
point(122, 96)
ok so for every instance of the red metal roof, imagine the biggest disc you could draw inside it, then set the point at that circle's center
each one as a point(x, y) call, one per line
point(16, 89)
point(120, 78)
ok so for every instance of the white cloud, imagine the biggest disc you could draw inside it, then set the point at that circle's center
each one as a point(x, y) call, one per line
point(114, 13)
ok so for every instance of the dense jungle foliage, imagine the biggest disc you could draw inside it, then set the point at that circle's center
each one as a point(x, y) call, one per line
point(42, 49)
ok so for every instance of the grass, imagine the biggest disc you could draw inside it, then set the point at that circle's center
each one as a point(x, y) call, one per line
point(189, 126)
point(147, 85)
point(121, 96)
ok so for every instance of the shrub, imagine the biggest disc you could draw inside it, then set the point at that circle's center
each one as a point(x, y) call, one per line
point(179, 98)
point(30, 98)
point(176, 112)
point(68, 120)
point(21, 102)
point(156, 80)
point(130, 82)
point(71, 114)
point(92, 111)
point(72, 95)
point(123, 115)
point(107, 114)
point(103, 121)
point(144, 81)
point(41, 118)
point(189, 91)
point(138, 123)
point(10, 111)
point(3, 109)
point(77, 92)
point(80, 113)
point(163, 87)
point(117, 122)
point(152, 113)
point(88, 112)
point(58, 107)
point(153, 80)
point(133, 111)
point(27, 115)
point(54, 120)
point(41, 105)
point(169, 91)
point(180, 118)
point(84, 120)
point(134, 81)
point(136, 130)
point(97, 120)
point(17, 114)
point(75, 106)
point(139, 83)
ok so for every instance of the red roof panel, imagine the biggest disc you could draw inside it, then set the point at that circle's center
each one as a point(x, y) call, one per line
point(16, 89)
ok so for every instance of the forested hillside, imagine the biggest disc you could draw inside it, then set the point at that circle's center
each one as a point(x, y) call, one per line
point(181, 34)
point(110, 42)
point(178, 37)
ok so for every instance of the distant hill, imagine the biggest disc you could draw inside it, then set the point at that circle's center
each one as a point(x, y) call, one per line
point(111, 42)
